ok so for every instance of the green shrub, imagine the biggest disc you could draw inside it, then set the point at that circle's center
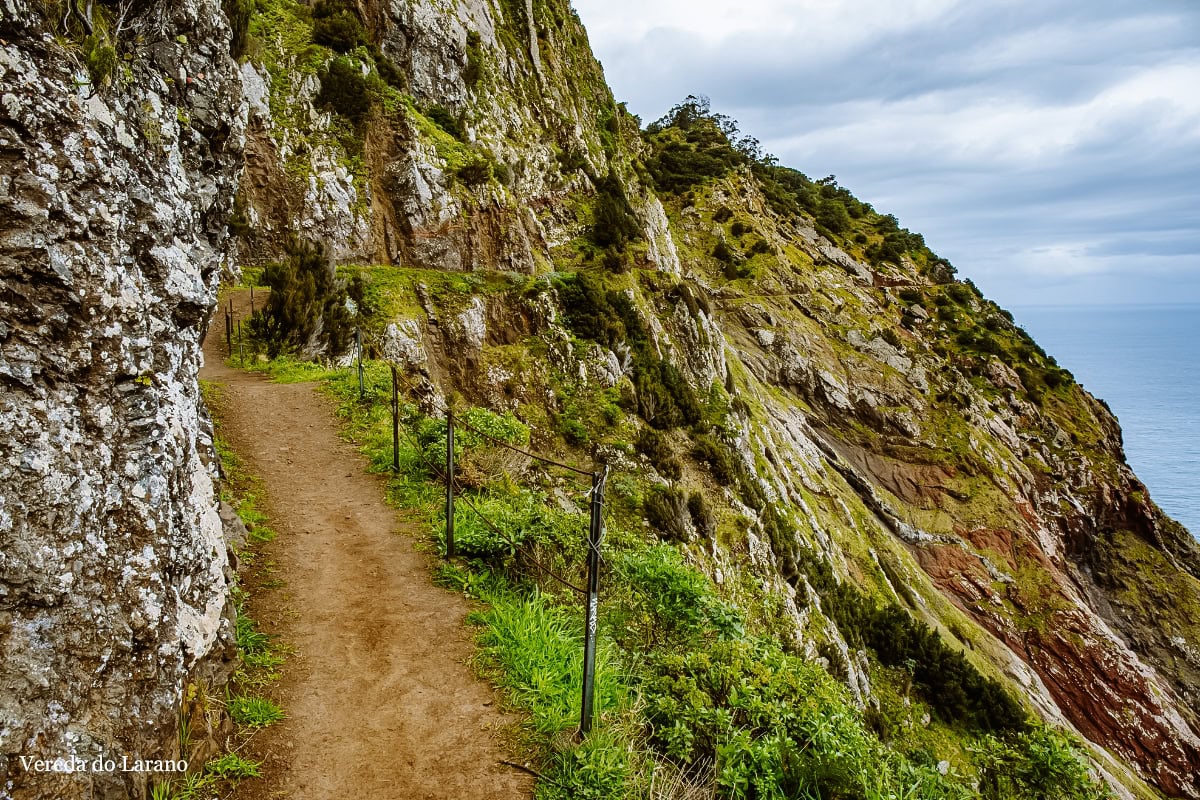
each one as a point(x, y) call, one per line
point(663, 397)
point(665, 507)
point(772, 726)
point(671, 602)
point(573, 430)
point(598, 769)
point(832, 214)
point(701, 514)
point(943, 676)
point(1039, 763)
point(614, 224)
point(960, 294)
point(101, 59)
point(337, 26)
point(539, 647)
point(760, 247)
point(344, 89)
point(238, 13)
point(390, 73)
point(474, 68)
point(306, 309)
point(253, 712)
point(1056, 377)
point(476, 171)
point(588, 313)
point(709, 451)
point(232, 767)
point(691, 145)
point(890, 336)
point(656, 447)
point(444, 119)
point(239, 220)
point(723, 252)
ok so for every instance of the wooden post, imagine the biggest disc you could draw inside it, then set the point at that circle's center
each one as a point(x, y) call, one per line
point(591, 618)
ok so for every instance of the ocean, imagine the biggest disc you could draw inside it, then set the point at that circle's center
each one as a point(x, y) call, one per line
point(1145, 363)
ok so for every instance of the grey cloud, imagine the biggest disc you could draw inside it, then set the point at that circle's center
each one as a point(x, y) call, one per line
point(1085, 194)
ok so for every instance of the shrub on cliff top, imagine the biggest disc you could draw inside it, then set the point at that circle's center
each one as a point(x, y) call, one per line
point(691, 144)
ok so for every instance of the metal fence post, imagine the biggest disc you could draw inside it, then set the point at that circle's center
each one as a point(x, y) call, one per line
point(241, 352)
point(395, 420)
point(449, 484)
point(595, 533)
point(362, 392)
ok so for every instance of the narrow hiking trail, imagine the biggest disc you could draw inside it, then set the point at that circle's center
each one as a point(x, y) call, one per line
point(380, 703)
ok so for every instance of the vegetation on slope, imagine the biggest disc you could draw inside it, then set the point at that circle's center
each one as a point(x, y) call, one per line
point(696, 692)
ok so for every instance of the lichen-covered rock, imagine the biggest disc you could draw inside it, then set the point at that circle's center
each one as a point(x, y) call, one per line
point(113, 210)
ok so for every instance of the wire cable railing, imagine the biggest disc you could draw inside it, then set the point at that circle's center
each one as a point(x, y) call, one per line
point(235, 336)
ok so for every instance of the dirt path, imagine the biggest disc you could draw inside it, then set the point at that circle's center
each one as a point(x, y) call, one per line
point(379, 701)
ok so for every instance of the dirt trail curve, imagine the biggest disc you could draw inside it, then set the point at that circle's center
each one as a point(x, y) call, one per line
point(380, 704)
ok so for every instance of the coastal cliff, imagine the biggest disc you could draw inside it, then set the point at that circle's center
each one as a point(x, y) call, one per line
point(877, 442)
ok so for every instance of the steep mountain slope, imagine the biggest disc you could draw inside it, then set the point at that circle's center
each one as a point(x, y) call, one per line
point(865, 417)
point(119, 161)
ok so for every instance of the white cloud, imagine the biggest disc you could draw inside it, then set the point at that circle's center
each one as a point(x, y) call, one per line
point(823, 24)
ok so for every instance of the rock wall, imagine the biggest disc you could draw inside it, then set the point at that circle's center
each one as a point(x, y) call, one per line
point(114, 201)
point(530, 112)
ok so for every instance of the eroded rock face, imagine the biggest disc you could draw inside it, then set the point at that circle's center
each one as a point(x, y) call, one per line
point(113, 211)
point(525, 135)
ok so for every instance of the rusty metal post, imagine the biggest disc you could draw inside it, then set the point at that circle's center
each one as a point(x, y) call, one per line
point(449, 484)
point(362, 391)
point(395, 420)
point(591, 618)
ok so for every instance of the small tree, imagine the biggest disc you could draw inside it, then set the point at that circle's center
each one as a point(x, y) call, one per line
point(306, 311)
point(344, 90)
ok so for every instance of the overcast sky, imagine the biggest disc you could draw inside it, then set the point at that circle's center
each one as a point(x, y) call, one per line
point(1049, 148)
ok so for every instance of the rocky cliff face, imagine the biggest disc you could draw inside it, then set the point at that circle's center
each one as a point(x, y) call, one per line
point(118, 176)
point(491, 134)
